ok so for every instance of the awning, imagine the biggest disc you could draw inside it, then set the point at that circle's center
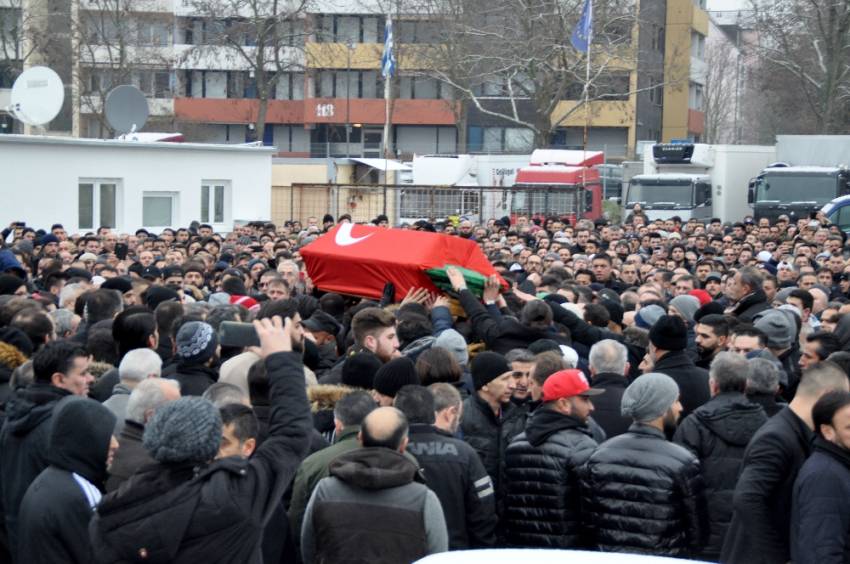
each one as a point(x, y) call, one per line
point(383, 164)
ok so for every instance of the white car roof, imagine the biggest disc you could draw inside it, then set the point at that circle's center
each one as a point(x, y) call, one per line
point(513, 556)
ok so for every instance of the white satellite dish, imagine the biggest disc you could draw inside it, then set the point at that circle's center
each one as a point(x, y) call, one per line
point(37, 96)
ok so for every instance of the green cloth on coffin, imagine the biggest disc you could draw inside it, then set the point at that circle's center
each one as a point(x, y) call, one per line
point(474, 280)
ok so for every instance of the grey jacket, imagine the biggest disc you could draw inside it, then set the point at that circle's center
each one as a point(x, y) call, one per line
point(368, 486)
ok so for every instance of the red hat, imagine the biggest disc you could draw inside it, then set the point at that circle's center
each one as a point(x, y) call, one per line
point(567, 384)
point(703, 296)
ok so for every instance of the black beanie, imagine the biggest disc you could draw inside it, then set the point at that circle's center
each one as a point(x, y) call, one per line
point(710, 308)
point(359, 370)
point(669, 333)
point(394, 375)
point(486, 367)
point(158, 294)
point(121, 283)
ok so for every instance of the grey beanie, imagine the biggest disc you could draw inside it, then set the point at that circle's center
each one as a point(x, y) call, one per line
point(782, 295)
point(779, 326)
point(686, 305)
point(649, 397)
point(453, 342)
point(196, 342)
point(184, 430)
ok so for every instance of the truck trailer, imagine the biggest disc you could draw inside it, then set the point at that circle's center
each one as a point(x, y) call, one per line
point(695, 180)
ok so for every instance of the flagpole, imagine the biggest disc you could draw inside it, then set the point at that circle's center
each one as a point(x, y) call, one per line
point(387, 93)
point(586, 98)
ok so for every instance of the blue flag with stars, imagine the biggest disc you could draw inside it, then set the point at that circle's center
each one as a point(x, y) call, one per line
point(583, 32)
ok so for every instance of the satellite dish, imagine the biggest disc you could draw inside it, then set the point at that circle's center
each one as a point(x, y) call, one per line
point(37, 96)
point(126, 109)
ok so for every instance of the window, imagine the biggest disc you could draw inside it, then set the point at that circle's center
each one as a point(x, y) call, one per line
point(695, 96)
point(154, 33)
point(214, 207)
point(697, 45)
point(656, 94)
point(158, 209)
point(290, 86)
point(349, 29)
point(500, 139)
point(154, 84)
point(658, 38)
point(97, 202)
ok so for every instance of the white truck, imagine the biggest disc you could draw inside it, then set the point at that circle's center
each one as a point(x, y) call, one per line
point(694, 180)
point(812, 171)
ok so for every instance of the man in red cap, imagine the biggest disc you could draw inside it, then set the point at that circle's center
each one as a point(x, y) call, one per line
point(542, 498)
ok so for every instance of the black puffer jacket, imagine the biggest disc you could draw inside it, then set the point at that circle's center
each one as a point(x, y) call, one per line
point(644, 494)
point(490, 435)
point(542, 492)
point(718, 433)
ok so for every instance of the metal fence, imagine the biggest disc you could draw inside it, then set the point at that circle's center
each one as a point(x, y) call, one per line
point(409, 203)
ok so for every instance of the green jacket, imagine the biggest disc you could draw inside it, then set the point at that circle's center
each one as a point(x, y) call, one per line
point(311, 472)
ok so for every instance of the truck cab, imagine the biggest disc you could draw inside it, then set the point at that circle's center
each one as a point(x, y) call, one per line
point(675, 182)
point(796, 191)
point(664, 195)
point(558, 182)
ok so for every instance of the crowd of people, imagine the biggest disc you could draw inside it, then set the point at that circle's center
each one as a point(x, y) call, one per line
point(673, 388)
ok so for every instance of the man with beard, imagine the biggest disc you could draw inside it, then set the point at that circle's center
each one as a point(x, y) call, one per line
point(712, 332)
point(645, 494)
point(713, 284)
point(374, 332)
point(819, 512)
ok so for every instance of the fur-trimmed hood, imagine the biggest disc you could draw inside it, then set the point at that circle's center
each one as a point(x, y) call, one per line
point(325, 396)
point(11, 356)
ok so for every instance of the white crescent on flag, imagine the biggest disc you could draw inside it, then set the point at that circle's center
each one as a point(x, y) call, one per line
point(343, 236)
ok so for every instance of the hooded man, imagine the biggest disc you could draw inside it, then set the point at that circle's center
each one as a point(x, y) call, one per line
point(645, 494)
point(56, 509)
point(542, 498)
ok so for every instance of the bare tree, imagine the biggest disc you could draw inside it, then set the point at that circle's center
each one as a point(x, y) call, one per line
point(808, 43)
point(121, 42)
point(722, 82)
point(265, 37)
point(512, 59)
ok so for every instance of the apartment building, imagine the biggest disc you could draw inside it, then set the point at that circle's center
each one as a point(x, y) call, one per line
point(684, 60)
point(327, 97)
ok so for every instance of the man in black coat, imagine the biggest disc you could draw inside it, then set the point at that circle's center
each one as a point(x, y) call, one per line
point(452, 470)
point(60, 369)
point(667, 342)
point(760, 527)
point(216, 511)
point(131, 455)
point(820, 515)
point(718, 433)
point(542, 493)
point(643, 493)
point(609, 368)
point(490, 420)
point(744, 291)
point(56, 509)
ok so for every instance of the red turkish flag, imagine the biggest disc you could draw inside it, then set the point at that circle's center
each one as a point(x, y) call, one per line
point(359, 259)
